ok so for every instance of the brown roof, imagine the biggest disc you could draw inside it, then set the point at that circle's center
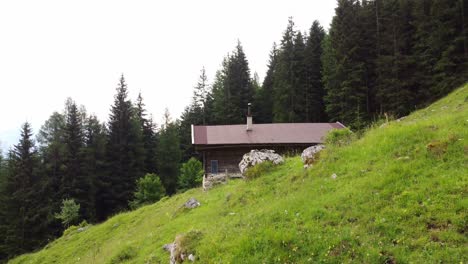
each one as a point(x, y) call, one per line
point(282, 133)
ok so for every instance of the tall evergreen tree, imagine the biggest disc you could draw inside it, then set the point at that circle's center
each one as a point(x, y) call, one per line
point(76, 184)
point(395, 93)
point(350, 100)
point(283, 91)
point(125, 156)
point(197, 113)
point(314, 105)
point(148, 129)
point(232, 89)
point(169, 154)
point(94, 155)
point(263, 102)
point(25, 211)
point(299, 80)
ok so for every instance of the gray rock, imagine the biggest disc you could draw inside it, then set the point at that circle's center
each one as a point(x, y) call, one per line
point(255, 157)
point(192, 203)
point(309, 155)
point(211, 180)
point(168, 247)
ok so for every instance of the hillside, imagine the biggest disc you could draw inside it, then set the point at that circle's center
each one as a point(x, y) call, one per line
point(400, 195)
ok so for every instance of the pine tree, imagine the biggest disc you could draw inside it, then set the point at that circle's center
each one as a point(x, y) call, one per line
point(125, 155)
point(232, 89)
point(94, 163)
point(221, 97)
point(263, 102)
point(25, 211)
point(76, 184)
point(169, 154)
point(314, 94)
point(395, 94)
point(283, 89)
point(349, 99)
point(299, 80)
point(148, 129)
point(200, 95)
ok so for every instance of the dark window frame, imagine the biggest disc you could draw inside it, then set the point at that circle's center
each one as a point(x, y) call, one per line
point(216, 166)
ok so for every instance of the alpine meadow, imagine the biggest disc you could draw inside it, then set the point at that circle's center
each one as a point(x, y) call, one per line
point(383, 91)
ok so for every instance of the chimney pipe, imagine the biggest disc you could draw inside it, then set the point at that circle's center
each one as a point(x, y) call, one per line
point(249, 118)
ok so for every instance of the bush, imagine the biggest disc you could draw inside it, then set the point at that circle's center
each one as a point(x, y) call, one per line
point(69, 212)
point(258, 170)
point(149, 190)
point(339, 137)
point(191, 174)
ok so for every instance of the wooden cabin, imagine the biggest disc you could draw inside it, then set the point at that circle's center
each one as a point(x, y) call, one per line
point(223, 146)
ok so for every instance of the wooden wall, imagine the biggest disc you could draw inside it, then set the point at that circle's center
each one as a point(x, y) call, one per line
point(229, 157)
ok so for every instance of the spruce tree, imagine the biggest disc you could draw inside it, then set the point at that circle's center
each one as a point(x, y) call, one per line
point(169, 154)
point(283, 88)
point(232, 89)
point(263, 102)
point(148, 129)
point(299, 79)
point(125, 155)
point(314, 105)
point(94, 163)
point(25, 210)
point(76, 184)
point(350, 100)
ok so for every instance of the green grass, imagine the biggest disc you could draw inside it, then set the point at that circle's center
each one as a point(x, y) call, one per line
point(400, 196)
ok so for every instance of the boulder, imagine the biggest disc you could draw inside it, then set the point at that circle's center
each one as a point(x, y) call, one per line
point(172, 250)
point(209, 181)
point(310, 155)
point(258, 156)
point(181, 250)
point(192, 203)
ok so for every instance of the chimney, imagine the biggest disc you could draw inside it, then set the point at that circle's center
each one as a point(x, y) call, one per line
point(249, 118)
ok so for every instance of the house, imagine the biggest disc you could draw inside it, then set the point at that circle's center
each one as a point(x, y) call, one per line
point(223, 146)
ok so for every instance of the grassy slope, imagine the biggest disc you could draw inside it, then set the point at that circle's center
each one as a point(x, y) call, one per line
point(393, 199)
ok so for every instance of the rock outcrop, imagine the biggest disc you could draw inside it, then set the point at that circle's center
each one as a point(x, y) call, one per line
point(258, 156)
point(310, 155)
point(211, 180)
point(182, 249)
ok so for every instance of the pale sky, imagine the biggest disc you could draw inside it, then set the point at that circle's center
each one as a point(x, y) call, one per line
point(51, 50)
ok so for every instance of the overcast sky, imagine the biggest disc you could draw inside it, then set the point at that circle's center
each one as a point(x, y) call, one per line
point(51, 50)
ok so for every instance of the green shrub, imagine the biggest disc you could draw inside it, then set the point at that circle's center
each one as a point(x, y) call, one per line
point(149, 190)
point(191, 174)
point(258, 170)
point(69, 212)
point(339, 137)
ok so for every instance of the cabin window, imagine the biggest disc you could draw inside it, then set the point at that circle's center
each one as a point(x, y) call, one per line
point(214, 166)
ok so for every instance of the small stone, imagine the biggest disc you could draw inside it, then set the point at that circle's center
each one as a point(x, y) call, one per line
point(191, 257)
point(192, 203)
